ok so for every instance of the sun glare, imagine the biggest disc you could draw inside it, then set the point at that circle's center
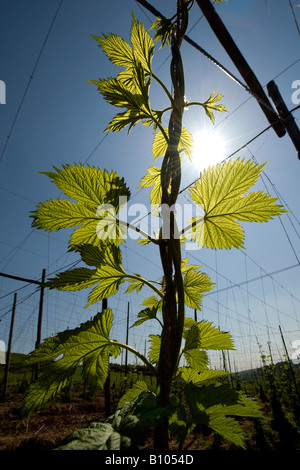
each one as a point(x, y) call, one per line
point(209, 149)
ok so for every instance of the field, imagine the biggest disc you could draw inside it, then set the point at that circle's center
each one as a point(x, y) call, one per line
point(76, 408)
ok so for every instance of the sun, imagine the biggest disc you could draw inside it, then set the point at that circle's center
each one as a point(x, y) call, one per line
point(209, 149)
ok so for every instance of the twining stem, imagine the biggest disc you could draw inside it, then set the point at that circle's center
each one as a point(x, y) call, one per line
point(163, 86)
point(192, 225)
point(136, 353)
point(138, 230)
point(146, 282)
point(170, 250)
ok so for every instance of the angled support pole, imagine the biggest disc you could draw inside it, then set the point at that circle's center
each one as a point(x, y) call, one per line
point(239, 61)
point(288, 120)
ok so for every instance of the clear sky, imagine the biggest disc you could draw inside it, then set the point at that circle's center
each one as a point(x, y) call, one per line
point(53, 116)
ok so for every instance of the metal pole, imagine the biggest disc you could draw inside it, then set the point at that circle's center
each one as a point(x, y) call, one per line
point(195, 315)
point(229, 366)
point(127, 330)
point(39, 330)
point(9, 347)
point(39, 327)
point(269, 344)
point(18, 278)
point(107, 395)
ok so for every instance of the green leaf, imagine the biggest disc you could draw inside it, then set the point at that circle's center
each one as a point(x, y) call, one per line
point(160, 145)
point(108, 275)
point(178, 421)
point(214, 405)
point(96, 192)
point(188, 323)
point(117, 49)
point(135, 417)
point(137, 283)
point(163, 27)
point(211, 104)
point(89, 186)
point(220, 400)
point(195, 286)
point(144, 315)
point(142, 43)
point(199, 378)
point(100, 255)
point(109, 279)
point(220, 193)
point(192, 340)
point(75, 279)
point(96, 436)
point(130, 89)
point(135, 99)
point(196, 359)
point(185, 266)
point(205, 336)
point(212, 338)
point(90, 345)
point(153, 305)
point(229, 429)
point(132, 394)
point(117, 94)
point(153, 301)
point(154, 351)
point(153, 178)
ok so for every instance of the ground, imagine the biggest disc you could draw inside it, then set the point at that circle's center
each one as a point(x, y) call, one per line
point(47, 427)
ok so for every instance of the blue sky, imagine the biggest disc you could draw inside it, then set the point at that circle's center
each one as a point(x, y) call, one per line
point(61, 120)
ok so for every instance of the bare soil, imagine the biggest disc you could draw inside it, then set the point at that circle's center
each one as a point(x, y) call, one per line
point(49, 426)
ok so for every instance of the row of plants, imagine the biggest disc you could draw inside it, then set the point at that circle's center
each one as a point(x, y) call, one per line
point(274, 387)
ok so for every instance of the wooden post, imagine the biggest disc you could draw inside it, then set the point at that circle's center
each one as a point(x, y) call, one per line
point(224, 361)
point(7, 364)
point(239, 61)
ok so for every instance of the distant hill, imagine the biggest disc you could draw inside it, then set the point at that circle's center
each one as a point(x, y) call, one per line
point(252, 373)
